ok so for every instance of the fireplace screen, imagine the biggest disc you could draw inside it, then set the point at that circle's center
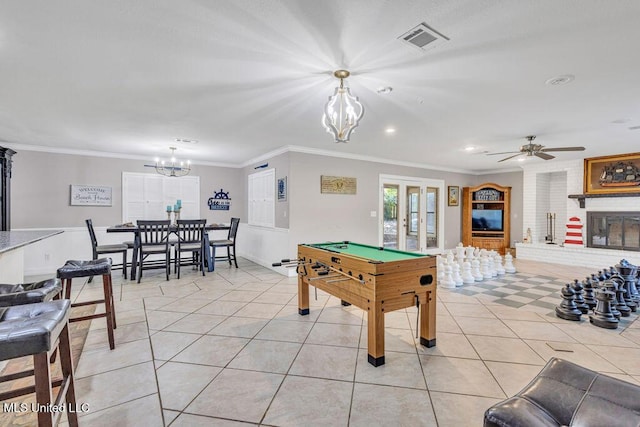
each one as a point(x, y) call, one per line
point(614, 230)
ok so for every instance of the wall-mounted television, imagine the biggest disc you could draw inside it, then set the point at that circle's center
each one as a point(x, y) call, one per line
point(487, 220)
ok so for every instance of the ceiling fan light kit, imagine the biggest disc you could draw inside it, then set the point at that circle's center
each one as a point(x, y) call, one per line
point(537, 150)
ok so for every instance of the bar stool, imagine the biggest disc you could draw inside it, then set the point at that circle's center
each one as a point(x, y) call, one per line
point(72, 269)
point(35, 330)
point(29, 293)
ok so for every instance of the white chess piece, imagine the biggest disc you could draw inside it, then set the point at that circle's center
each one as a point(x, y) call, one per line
point(447, 282)
point(450, 257)
point(491, 267)
point(475, 270)
point(460, 253)
point(497, 262)
point(469, 253)
point(484, 268)
point(440, 264)
point(467, 277)
point(456, 274)
point(508, 264)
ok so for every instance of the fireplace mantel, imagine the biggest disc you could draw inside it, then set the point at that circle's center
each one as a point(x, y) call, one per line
point(581, 197)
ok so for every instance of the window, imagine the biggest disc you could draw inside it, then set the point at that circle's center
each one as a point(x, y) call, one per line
point(261, 198)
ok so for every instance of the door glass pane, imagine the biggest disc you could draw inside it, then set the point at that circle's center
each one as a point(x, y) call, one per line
point(412, 220)
point(432, 217)
point(390, 216)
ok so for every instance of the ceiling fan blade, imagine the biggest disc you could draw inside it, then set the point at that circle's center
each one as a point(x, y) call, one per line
point(563, 149)
point(505, 152)
point(544, 156)
point(510, 157)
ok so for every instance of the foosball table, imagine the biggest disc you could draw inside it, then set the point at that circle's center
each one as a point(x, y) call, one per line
point(375, 279)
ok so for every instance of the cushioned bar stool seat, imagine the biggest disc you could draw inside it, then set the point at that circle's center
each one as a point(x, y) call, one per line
point(36, 330)
point(566, 394)
point(29, 293)
point(97, 267)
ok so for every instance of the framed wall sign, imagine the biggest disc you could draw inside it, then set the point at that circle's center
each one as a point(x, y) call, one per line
point(282, 189)
point(454, 195)
point(90, 195)
point(337, 185)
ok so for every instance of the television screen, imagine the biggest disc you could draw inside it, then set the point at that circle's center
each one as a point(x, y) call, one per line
point(486, 220)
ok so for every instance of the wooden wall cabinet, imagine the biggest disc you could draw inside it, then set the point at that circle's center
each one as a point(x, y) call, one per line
point(486, 213)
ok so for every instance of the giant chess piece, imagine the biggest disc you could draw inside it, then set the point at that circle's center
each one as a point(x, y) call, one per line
point(508, 264)
point(469, 253)
point(497, 262)
point(567, 309)
point(588, 293)
point(460, 251)
point(475, 270)
point(447, 282)
point(484, 268)
point(440, 264)
point(456, 274)
point(467, 277)
point(450, 258)
point(579, 300)
point(492, 265)
point(596, 282)
point(613, 287)
point(602, 316)
point(621, 304)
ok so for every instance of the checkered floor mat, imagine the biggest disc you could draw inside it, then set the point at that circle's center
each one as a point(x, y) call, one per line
point(517, 290)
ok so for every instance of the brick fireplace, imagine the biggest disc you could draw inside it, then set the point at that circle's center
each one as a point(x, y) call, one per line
point(546, 189)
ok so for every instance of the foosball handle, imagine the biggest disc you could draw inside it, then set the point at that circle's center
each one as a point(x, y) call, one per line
point(276, 264)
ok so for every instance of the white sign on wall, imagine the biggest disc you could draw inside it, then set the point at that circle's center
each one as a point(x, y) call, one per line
point(90, 195)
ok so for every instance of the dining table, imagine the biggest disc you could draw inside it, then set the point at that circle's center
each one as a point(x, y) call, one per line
point(173, 229)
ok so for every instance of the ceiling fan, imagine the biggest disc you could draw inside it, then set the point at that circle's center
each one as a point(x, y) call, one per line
point(537, 150)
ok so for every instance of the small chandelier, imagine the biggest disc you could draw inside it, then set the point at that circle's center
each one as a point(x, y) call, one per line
point(173, 168)
point(343, 111)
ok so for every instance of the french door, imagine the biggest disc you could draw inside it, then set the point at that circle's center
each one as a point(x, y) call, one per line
point(411, 214)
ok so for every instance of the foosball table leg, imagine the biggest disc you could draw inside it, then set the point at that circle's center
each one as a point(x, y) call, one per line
point(303, 297)
point(375, 334)
point(428, 319)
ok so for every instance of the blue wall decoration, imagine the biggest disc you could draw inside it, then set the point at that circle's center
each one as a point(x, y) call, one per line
point(220, 201)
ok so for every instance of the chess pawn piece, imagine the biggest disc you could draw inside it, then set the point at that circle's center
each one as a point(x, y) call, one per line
point(467, 277)
point(447, 282)
point(613, 287)
point(588, 293)
point(621, 304)
point(602, 316)
point(476, 253)
point(475, 270)
point(607, 273)
point(567, 309)
point(492, 265)
point(497, 262)
point(450, 258)
point(601, 276)
point(579, 299)
point(484, 268)
point(595, 281)
point(456, 274)
point(508, 263)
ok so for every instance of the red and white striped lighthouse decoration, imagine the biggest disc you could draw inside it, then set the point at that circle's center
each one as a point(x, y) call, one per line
point(574, 232)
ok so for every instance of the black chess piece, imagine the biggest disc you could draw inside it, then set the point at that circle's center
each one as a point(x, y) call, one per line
point(601, 276)
point(595, 281)
point(628, 274)
point(621, 304)
point(602, 316)
point(588, 293)
point(612, 287)
point(606, 273)
point(567, 309)
point(578, 299)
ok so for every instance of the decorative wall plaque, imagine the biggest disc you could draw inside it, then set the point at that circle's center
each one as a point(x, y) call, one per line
point(337, 185)
point(90, 195)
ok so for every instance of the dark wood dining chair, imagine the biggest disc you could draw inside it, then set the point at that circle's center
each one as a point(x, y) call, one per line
point(229, 243)
point(191, 240)
point(107, 249)
point(154, 240)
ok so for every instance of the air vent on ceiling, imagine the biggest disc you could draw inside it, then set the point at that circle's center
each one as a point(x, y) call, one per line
point(422, 37)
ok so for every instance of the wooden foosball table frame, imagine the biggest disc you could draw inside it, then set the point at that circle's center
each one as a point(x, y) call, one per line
point(378, 287)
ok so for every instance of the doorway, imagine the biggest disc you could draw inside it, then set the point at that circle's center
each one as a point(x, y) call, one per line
point(410, 214)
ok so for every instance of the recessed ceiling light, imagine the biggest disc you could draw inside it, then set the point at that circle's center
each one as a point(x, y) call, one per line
point(469, 148)
point(561, 80)
point(390, 130)
point(384, 89)
point(522, 159)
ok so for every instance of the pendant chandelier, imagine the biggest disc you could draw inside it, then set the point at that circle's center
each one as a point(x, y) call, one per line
point(343, 112)
point(173, 167)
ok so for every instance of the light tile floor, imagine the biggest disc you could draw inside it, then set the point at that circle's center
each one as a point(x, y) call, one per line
point(229, 349)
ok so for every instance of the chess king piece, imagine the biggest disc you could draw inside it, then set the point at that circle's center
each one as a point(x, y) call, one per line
point(467, 277)
point(589, 298)
point(508, 264)
point(567, 309)
point(602, 316)
point(475, 270)
point(579, 299)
